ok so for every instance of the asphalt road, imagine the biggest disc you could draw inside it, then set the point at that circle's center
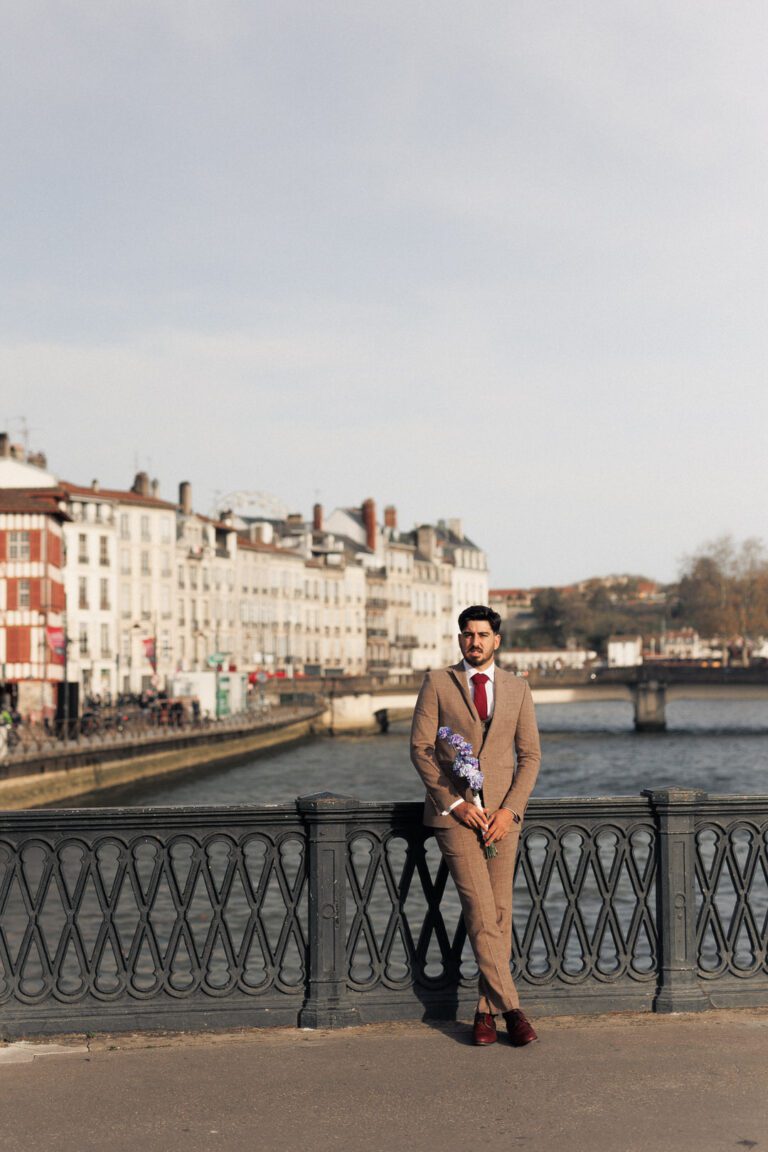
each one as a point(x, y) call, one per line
point(625, 1083)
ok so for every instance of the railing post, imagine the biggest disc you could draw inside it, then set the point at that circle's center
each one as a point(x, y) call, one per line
point(679, 989)
point(327, 1005)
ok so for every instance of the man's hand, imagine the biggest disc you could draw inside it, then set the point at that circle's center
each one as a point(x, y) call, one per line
point(499, 825)
point(471, 816)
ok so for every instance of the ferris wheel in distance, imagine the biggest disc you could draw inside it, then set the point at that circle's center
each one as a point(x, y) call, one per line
point(251, 504)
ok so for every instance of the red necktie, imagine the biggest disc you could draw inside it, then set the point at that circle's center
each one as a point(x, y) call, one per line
point(479, 681)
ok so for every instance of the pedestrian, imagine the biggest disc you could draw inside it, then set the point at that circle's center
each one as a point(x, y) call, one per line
point(492, 710)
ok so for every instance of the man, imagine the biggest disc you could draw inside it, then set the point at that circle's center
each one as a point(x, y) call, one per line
point(493, 711)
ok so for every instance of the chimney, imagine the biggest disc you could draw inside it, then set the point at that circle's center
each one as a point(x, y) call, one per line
point(5, 446)
point(185, 497)
point(141, 484)
point(369, 521)
point(95, 486)
point(390, 517)
point(155, 488)
point(317, 518)
point(38, 460)
point(426, 541)
point(456, 527)
point(261, 533)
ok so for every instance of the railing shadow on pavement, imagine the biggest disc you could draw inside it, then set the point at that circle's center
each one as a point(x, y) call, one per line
point(333, 911)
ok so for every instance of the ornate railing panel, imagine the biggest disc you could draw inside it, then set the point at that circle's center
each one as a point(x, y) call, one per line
point(333, 911)
point(585, 900)
point(584, 903)
point(175, 911)
point(732, 889)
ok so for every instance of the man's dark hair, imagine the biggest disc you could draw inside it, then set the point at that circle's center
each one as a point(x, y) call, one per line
point(480, 612)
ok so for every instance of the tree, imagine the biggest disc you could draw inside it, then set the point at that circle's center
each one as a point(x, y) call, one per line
point(551, 611)
point(723, 589)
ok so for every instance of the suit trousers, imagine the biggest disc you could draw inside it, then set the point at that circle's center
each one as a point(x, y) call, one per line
point(485, 891)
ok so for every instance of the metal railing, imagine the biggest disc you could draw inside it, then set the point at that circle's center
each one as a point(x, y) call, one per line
point(333, 911)
point(134, 733)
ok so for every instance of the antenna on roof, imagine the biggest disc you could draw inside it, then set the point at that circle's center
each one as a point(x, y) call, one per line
point(25, 431)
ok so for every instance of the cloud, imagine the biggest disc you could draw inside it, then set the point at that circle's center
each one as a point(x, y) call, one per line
point(367, 251)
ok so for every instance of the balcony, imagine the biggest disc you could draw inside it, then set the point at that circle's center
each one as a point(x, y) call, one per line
point(406, 642)
point(377, 632)
point(374, 602)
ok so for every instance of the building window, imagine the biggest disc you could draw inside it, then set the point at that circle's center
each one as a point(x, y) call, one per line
point(18, 546)
point(165, 563)
point(125, 526)
point(145, 528)
point(165, 530)
point(125, 561)
point(193, 577)
point(104, 551)
point(82, 548)
point(145, 567)
point(23, 600)
point(181, 577)
point(82, 592)
point(105, 651)
point(83, 640)
point(104, 594)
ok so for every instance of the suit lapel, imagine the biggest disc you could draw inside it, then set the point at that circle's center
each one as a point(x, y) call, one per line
point(460, 679)
point(473, 731)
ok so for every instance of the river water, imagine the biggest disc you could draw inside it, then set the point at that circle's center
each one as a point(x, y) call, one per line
point(588, 750)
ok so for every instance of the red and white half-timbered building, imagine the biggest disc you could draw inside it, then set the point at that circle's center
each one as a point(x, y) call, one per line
point(32, 600)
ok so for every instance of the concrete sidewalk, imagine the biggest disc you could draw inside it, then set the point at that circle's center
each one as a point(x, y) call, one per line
point(625, 1083)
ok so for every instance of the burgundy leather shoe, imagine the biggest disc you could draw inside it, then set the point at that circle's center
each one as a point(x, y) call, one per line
point(485, 1028)
point(519, 1028)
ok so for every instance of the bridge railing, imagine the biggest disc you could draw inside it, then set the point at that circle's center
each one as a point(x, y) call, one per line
point(35, 750)
point(333, 911)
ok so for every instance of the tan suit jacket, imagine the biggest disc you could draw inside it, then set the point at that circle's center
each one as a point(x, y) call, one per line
point(508, 750)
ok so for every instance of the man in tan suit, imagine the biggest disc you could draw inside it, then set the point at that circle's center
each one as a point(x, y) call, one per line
point(493, 711)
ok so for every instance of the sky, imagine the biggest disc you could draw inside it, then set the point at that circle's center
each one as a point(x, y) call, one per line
point(500, 261)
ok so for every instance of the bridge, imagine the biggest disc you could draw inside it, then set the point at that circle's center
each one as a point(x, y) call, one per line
point(362, 704)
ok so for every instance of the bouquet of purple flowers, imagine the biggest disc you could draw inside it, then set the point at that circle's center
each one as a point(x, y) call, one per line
point(467, 767)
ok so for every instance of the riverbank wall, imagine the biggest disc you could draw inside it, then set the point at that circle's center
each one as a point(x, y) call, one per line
point(78, 772)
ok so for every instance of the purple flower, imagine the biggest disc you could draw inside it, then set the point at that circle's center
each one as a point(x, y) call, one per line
point(465, 766)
